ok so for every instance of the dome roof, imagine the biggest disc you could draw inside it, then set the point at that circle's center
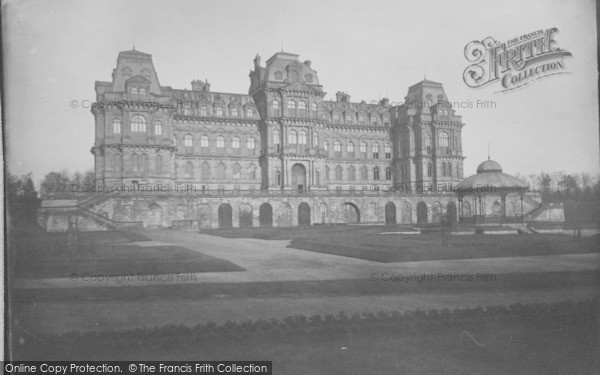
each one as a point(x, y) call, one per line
point(489, 166)
point(490, 176)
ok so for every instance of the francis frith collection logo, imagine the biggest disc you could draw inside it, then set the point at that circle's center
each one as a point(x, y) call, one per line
point(514, 63)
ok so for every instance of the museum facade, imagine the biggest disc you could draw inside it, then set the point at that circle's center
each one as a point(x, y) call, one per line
point(282, 144)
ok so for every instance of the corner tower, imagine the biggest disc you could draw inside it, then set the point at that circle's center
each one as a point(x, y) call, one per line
point(133, 142)
point(428, 138)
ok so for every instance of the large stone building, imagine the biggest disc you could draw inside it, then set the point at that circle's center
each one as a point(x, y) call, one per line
point(280, 155)
point(283, 135)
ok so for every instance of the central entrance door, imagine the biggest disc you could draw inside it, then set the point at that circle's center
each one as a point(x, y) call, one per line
point(298, 177)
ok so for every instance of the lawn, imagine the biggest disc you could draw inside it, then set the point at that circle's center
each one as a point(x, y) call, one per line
point(45, 255)
point(368, 242)
point(537, 339)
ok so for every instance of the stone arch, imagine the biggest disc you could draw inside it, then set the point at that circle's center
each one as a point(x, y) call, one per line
point(285, 215)
point(406, 212)
point(225, 216)
point(390, 213)
point(204, 216)
point(265, 215)
point(350, 213)
point(422, 212)
point(451, 217)
point(303, 214)
point(436, 212)
point(154, 216)
point(245, 215)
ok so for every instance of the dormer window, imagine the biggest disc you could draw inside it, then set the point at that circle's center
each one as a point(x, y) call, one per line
point(203, 111)
point(219, 112)
point(234, 112)
point(275, 104)
point(134, 90)
point(142, 91)
point(249, 113)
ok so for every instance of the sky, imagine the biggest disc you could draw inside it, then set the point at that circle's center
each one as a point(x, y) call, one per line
point(54, 51)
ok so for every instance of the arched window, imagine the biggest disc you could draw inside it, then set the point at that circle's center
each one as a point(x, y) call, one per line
point(189, 170)
point(252, 172)
point(174, 141)
point(220, 142)
point(351, 174)
point(326, 173)
point(157, 128)
point(443, 139)
point(362, 148)
point(443, 169)
point(138, 124)
point(337, 149)
point(292, 137)
point(219, 112)
point(338, 173)
point(235, 145)
point(159, 164)
point(134, 91)
point(291, 104)
point(376, 173)
point(375, 151)
point(373, 120)
point(203, 111)
point(302, 105)
point(278, 177)
point(449, 170)
point(350, 149)
point(313, 107)
point(349, 118)
point(144, 163)
point(205, 171)
point(364, 173)
point(275, 104)
point(188, 141)
point(388, 173)
point(386, 121)
point(135, 162)
point(302, 137)
point(388, 151)
point(361, 120)
point(276, 137)
point(204, 141)
point(249, 113)
point(118, 163)
point(234, 112)
point(187, 109)
point(117, 126)
point(251, 146)
point(325, 145)
point(315, 139)
point(428, 143)
point(336, 117)
point(429, 170)
point(142, 91)
point(236, 171)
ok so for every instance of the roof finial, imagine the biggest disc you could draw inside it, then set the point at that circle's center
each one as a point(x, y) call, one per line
point(488, 150)
point(134, 38)
point(281, 45)
point(424, 74)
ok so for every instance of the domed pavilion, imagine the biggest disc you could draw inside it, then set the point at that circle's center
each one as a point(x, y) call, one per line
point(491, 196)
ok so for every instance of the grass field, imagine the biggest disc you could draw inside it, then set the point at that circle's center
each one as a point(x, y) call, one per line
point(544, 339)
point(44, 255)
point(368, 242)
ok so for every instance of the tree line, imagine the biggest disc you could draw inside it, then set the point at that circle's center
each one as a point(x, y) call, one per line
point(561, 186)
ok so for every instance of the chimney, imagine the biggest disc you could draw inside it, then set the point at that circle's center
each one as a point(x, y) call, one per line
point(342, 97)
point(257, 62)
